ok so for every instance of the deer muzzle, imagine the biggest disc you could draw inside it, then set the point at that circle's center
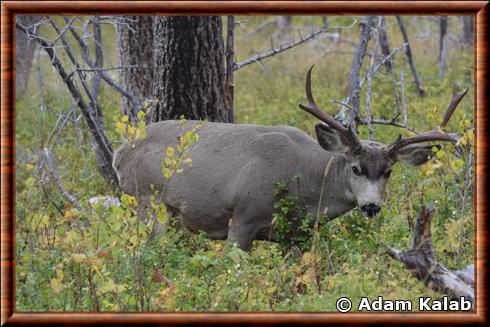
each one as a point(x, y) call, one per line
point(370, 209)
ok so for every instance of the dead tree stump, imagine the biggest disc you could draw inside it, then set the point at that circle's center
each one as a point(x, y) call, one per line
point(421, 260)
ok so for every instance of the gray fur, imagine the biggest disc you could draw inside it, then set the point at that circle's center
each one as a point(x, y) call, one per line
point(229, 190)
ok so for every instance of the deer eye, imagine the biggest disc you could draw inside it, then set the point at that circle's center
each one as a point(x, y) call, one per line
point(356, 171)
point(387, 174)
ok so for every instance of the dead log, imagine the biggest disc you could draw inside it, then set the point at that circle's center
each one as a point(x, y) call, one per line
point(421, 260)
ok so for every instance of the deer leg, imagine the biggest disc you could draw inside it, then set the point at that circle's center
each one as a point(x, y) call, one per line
point(242, 234)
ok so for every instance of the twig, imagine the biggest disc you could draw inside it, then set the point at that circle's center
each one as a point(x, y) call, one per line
point(105, 69)
point(86, 57)
point(63, 124)
point(404, 100)
point(63, 31)
point(281, 48)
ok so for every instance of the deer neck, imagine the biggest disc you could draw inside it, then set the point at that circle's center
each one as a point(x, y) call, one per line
point(333, 185)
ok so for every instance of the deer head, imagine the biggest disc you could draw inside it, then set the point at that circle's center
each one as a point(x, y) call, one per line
point(368, 164)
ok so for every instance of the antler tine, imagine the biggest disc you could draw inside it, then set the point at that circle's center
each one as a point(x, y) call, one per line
point(435, 134)
point(314, 110)
point(455, 100)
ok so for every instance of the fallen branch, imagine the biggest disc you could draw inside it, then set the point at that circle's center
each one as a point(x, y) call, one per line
point(421, 260)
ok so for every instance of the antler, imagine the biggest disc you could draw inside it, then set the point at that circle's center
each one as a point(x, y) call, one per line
point(435, 134)
point(314, 110)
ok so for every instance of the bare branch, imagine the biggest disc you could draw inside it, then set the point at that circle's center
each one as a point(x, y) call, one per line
point(105, 69)
point(49, 164)
point(281, 48)
point(99, 58)
point(100, 139)
point(354, 85)
point(86, 57)
point(410, 58)
point(404, 100)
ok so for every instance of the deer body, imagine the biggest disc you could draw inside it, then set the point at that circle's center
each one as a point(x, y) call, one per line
point(234, 176)
point(229, 190)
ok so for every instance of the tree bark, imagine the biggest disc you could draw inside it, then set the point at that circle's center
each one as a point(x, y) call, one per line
point(24, 53)
point(189, 71)
point(135, 48)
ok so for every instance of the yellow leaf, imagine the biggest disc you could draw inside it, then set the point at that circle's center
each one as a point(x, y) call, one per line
point(170, 151)
point(309, 258)
point(56, 285)
point(77, 258)
point(131, 131)
point(162, 215)
point(29, 166)
point(44, 220)
point(167, 173)
point(141, 114)
point(133, 240)
point(110, 286)
point(124, 118)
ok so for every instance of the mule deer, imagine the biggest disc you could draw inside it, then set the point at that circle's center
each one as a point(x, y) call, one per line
point(229, 190)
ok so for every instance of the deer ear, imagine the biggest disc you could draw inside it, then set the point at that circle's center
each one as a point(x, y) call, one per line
point(331, 140)
point(415, 154)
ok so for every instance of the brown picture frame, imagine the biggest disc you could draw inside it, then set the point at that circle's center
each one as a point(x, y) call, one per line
point(479, 9)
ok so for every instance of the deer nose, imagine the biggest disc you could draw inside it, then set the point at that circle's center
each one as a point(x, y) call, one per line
point(370, 209)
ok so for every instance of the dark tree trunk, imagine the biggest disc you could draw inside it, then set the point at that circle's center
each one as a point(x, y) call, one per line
point(442, 46)
point(189, 71)
point(24, 54)
point(135, 48)
point(468, 27)
point(384, 44)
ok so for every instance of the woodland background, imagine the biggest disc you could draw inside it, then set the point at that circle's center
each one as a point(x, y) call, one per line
point(77, 252)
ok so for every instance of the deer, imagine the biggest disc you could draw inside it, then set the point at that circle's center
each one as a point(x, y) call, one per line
point(229, 192)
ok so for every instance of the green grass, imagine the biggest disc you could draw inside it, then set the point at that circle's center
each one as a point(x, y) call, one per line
point(84, 262)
